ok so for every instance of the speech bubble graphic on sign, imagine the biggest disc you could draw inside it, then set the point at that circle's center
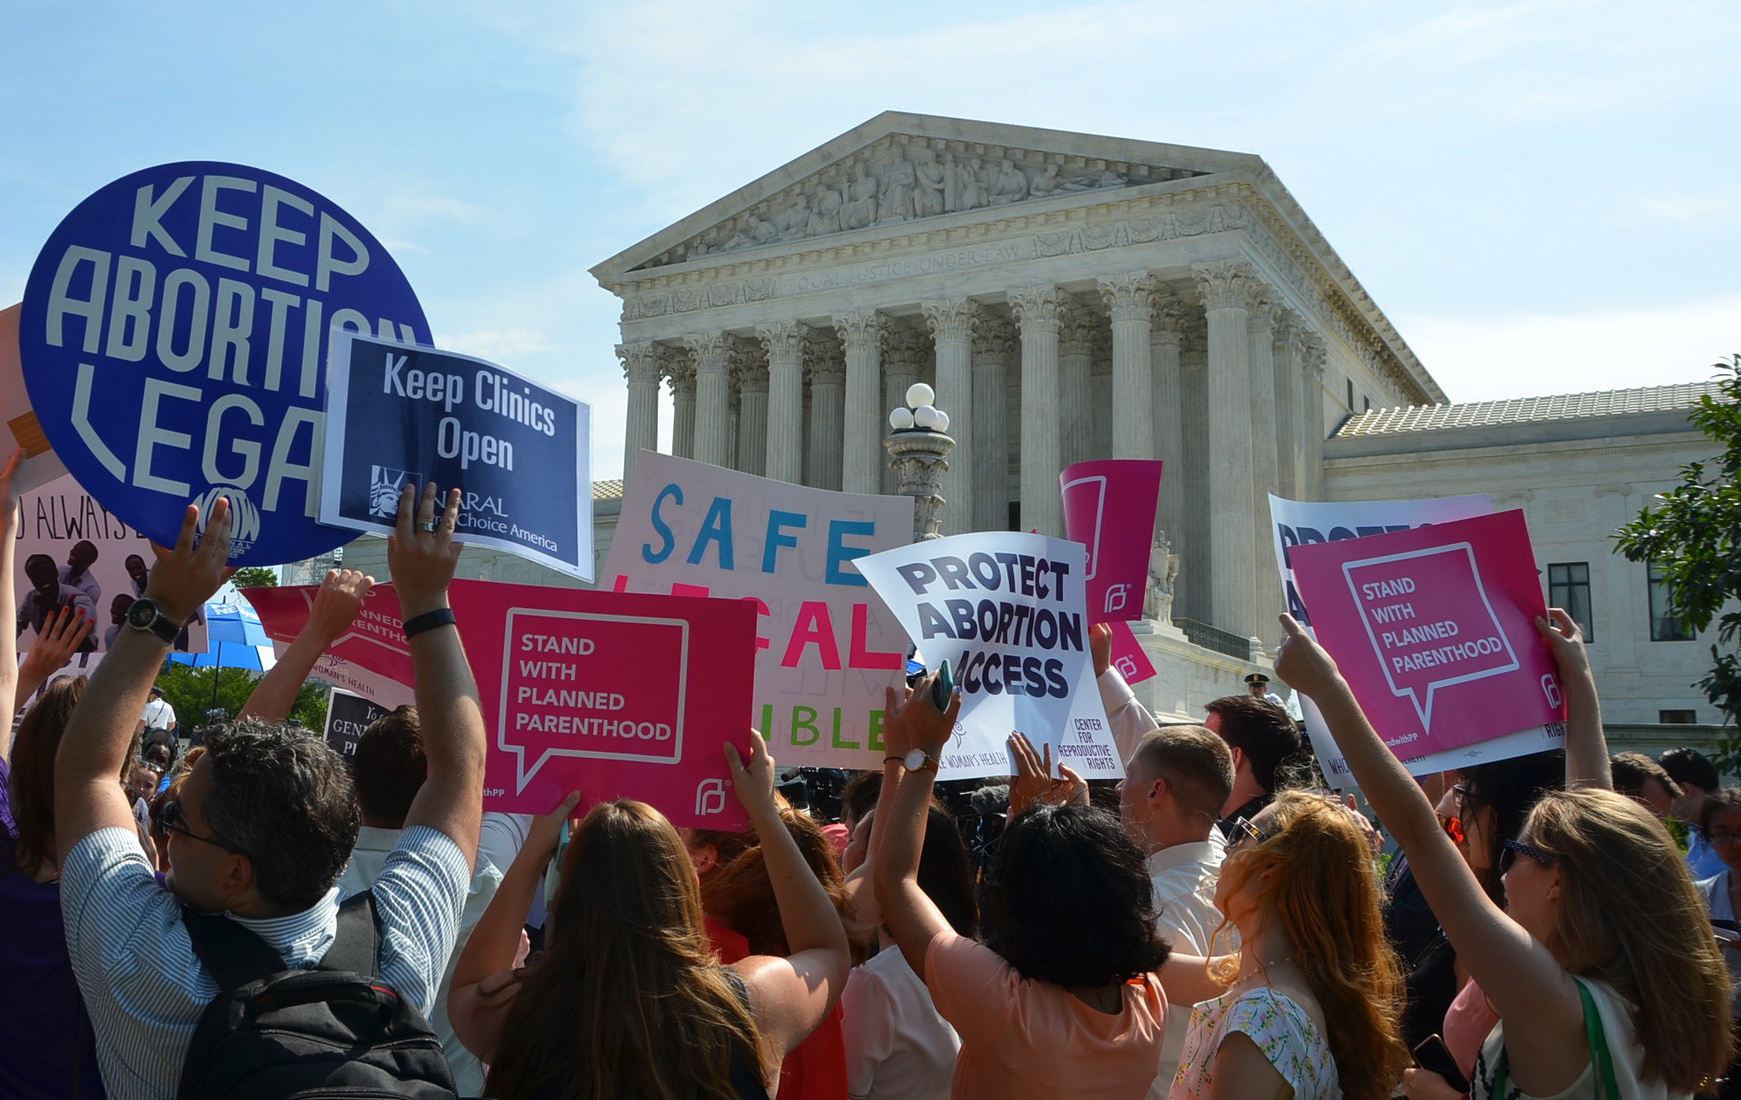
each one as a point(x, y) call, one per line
point(1109, 507)
point(1436, 621)
point(629, 706)
point(174, 338)
point(1430, 621)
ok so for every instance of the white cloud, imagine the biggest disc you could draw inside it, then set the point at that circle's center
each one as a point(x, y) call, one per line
point(1490, 358)
point(496, 345)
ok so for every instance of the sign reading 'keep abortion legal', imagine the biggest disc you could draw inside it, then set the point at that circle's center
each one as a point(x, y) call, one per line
point(174, 341)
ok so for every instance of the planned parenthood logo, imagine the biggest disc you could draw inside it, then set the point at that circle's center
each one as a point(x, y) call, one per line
point(385, 485)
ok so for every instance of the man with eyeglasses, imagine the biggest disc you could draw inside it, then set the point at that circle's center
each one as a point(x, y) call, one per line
point(262, 825)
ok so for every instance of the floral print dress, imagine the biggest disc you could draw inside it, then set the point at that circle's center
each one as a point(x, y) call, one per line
point(1280, 1028)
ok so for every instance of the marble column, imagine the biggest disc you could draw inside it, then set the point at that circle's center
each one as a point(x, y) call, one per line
point(641, 368)
point(993, 345)
point(1100, 391)
point(952, 323)
point(1313, 377)
point(784, 342)
point(751, 375)
point(1260, 334)
point(1130, 301)
point(904, 352)
point(827, 369)
point(862, 463)
point(1287, 360)
point(1076, 380)
point(1168, 416)
point(1226, 288)
point(680, 373)
point(1037, 311)
point(712, 351)
point(1191, 541)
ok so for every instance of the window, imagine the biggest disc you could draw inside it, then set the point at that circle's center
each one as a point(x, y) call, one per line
point(1365, 403)
point(1569, 587)
point(1663, 626)
point(1350, 401)
point(1676, 717)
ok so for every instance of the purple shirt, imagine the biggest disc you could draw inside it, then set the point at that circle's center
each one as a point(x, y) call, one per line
point(43, 1015)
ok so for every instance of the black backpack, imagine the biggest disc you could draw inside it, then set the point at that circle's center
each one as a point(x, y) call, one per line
point(273, 1033)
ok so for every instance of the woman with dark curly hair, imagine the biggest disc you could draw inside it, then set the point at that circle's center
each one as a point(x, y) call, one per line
point(1062, 998)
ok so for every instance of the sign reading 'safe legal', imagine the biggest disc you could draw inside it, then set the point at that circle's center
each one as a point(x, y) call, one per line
point(174, 344)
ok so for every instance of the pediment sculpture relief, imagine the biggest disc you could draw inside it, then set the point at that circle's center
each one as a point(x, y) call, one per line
point(899, 181)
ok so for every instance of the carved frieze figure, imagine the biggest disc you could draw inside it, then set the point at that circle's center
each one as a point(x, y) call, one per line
point(1046, 184)
point(794, 221)
point(969, 189)
point(761, 230)
point(861, 209)
point(825, 218)
point(899, 181)
point(1011, 184)
point(928, 199)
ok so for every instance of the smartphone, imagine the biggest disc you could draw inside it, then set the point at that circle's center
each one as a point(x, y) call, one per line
point(1432, 1054)
point(943, 687)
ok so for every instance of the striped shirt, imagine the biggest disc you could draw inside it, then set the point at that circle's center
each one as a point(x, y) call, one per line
point(145, 989)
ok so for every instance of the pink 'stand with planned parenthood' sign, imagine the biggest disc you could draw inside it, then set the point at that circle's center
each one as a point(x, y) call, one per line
point(1434, 629)
point(616, 695)
point(1109, 507)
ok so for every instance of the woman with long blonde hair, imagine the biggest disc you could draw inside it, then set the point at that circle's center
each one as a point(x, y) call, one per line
point(1316, 992)
point(1602, 966)
point(628, 998)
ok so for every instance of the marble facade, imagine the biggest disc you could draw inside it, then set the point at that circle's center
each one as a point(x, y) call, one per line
point(1069, 297)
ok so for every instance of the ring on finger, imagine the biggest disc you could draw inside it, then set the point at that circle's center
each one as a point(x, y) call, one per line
point(426, 528)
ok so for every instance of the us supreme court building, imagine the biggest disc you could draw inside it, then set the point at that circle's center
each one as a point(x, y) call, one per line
point(1072, 296)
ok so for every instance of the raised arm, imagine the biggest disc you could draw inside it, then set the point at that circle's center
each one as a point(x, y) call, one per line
point(495, 939)
point(1519, 976)
point(1586, 746)
point(1128, 719)
point(908, 912)
point(788, 996)
point(896, 741)
point(86, 796)
point(341, 594)
point(422, 554)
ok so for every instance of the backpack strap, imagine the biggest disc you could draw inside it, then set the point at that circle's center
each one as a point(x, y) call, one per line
point(357, 947)
point(231, 954)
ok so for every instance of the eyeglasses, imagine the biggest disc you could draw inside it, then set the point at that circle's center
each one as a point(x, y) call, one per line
point(1244, 830)
point(1515, 848)
point(170, 818)
point(1723, 838)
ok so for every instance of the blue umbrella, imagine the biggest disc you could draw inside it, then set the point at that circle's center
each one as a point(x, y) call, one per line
point(235, 636)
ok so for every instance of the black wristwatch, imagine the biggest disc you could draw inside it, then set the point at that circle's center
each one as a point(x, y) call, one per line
point(144, 615)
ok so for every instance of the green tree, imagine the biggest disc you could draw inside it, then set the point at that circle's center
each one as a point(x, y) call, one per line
point(1694, 536)
point(195, 692)
point(254, 576)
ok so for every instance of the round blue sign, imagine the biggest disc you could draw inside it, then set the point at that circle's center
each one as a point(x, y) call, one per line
point(174, 340)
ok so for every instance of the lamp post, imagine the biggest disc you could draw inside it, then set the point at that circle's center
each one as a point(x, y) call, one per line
point(918, 448)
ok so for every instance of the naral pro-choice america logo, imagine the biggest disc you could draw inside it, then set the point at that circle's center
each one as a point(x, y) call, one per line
point(385, 485)
point(174, 342)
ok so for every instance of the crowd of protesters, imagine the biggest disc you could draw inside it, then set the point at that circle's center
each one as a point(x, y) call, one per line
point(263, 917)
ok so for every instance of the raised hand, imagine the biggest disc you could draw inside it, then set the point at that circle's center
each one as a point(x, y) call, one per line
point(897, 734)
point(341, 596)
point(753, 780)
point(65, 629)
point(186, 576)
point(1033, 782)
point(930, 728)
point(1302, 663)
point(1100, 647)
point(1566, 641)
point(422, 552)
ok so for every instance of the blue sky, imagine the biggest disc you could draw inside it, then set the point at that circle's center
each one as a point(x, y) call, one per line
point(1542, 196)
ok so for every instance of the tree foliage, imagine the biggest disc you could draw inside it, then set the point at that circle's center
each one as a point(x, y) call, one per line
point(1693, 535)
point(194, 692)
point(254, 576)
